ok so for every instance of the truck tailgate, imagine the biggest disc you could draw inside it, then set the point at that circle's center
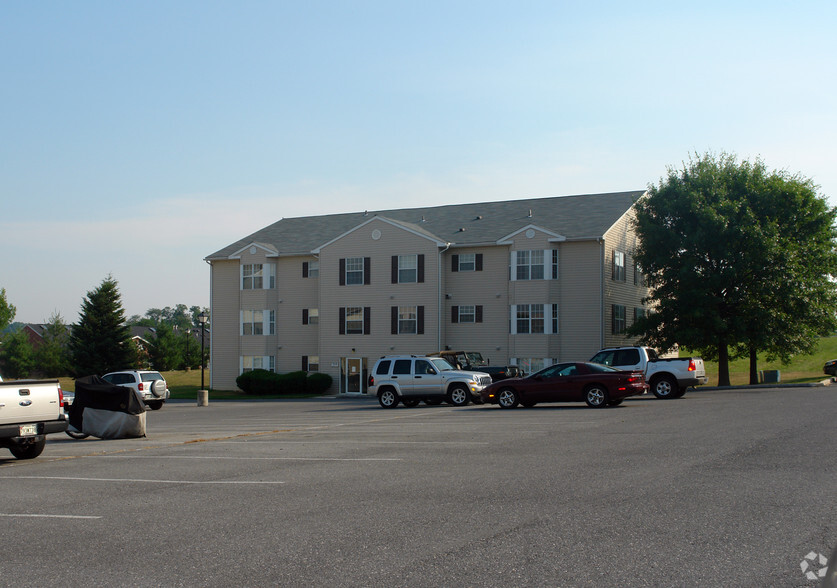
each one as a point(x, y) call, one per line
point(29, 401)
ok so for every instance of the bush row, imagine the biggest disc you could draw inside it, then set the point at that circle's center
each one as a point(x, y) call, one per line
point(261, 382)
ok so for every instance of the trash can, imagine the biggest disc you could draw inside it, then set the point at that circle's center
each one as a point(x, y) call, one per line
point(771, 377)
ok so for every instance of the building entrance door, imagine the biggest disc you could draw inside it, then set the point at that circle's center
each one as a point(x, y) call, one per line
point(354, 370)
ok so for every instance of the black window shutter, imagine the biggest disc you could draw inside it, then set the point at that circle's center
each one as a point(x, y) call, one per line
point(342, 272)
point(454, 263)
point(304, 316)
point(394, 320)
point(304, 269)
point(478, 262)
point(420, 272)
point(367, 313)
point(394, 269)
point(304, 363)
point(454, 314)
point(420, 320)
point(342, 320)
point(367, 274)
point(478, 314)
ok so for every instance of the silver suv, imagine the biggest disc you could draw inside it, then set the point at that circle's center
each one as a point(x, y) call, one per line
point(412, 378)
point(151, 386)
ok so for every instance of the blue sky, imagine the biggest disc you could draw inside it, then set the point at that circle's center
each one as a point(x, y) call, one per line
point(139, 137)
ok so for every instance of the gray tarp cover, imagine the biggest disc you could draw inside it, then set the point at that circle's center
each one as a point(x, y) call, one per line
point(107, 411)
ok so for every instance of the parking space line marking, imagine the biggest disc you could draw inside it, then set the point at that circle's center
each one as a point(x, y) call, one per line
point(344, 442)
point(70, 478)
point(214, 457)
point(48, 516)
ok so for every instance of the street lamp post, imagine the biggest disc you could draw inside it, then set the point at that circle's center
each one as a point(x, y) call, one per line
point(203, 394)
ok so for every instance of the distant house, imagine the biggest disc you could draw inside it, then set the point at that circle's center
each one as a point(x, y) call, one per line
point(35, 333)
point(531, 282)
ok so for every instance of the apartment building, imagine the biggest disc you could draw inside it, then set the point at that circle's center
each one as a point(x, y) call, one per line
point(530, 282)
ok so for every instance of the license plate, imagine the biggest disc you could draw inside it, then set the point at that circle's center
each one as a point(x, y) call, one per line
point(28, 430)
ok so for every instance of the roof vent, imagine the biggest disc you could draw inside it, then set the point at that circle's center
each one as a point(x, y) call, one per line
point(422, 219)
point(461, 229)
point(479, 217)
point(530, 213)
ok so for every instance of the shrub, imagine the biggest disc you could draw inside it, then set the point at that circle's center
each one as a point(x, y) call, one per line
point(259, 382)
point(318, 383)
point(292, 384)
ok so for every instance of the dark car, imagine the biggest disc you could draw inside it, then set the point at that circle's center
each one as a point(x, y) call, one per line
point(597, 385)
point(830, 367)
point(498, 373)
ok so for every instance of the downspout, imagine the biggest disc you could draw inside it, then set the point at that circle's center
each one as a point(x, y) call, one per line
point(441, 300)
point(601, 293)
point(211, 330)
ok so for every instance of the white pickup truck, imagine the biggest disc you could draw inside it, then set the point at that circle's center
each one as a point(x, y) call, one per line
point(29, 410)
point(668, 377)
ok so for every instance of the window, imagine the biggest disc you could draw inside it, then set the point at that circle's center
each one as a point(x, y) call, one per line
point(467, 314)
point(529, 318)
point(258, 362)
point(534, 319)
point(258, 322)
point(402, 367)
point(617, 319)
point(466, 262)
point(311, 269)
point(407, 320)
point(638, 313)
point(354, 320)
point(529, 365)
point(407, 269)
point(310, 363)
point(383, 367)
point(618, 266)
point(257, 276)
point(529, 265)
point(554, 264)
point(355, 271)
point(639, 278)
point(310, 316)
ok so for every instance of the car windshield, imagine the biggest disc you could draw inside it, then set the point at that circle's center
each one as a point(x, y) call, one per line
point(441, 364)
point(474, 358)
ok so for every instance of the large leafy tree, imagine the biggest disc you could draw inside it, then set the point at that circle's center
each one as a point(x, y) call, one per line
point(17, 356)
point(739, 260)
point(7, 311)
point(101, 341)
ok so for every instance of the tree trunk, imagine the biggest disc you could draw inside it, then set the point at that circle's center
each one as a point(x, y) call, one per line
point(723, 363)
point(754, 367)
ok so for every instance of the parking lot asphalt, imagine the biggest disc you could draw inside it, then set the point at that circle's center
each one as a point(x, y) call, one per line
point(722, 487)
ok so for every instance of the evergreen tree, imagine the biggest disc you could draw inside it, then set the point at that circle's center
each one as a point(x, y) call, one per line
point(165, 352)
point(52, 356)
point(101, 341)
point(7, 311)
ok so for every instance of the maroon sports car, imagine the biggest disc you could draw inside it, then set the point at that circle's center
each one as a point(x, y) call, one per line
point(597, 385)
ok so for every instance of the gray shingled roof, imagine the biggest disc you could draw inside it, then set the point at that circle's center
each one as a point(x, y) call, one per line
point(574, 217)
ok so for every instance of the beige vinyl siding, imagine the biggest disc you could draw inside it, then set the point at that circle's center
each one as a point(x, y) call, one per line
point(580, 313)
point(620, 237)
point(488, 288)
point(379, 296)
point(295, 293)
point(224, 349)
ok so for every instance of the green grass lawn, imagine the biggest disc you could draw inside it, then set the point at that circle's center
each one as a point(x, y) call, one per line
point(801, 369)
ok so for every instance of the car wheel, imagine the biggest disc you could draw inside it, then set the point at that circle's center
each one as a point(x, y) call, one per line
point(664, 387)
point(388, 398)
point(158, 388)
point(411, 403)
point(615, 402)
point(507, 398)
point(459, 396)
point(155, 404)
point(596, 396)
point(28, 450)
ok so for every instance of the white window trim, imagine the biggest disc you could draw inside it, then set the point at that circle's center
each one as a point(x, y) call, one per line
point(269, 360)
point(547, 265)
point(268, 322)
point(268, 276)
point(550, 315)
